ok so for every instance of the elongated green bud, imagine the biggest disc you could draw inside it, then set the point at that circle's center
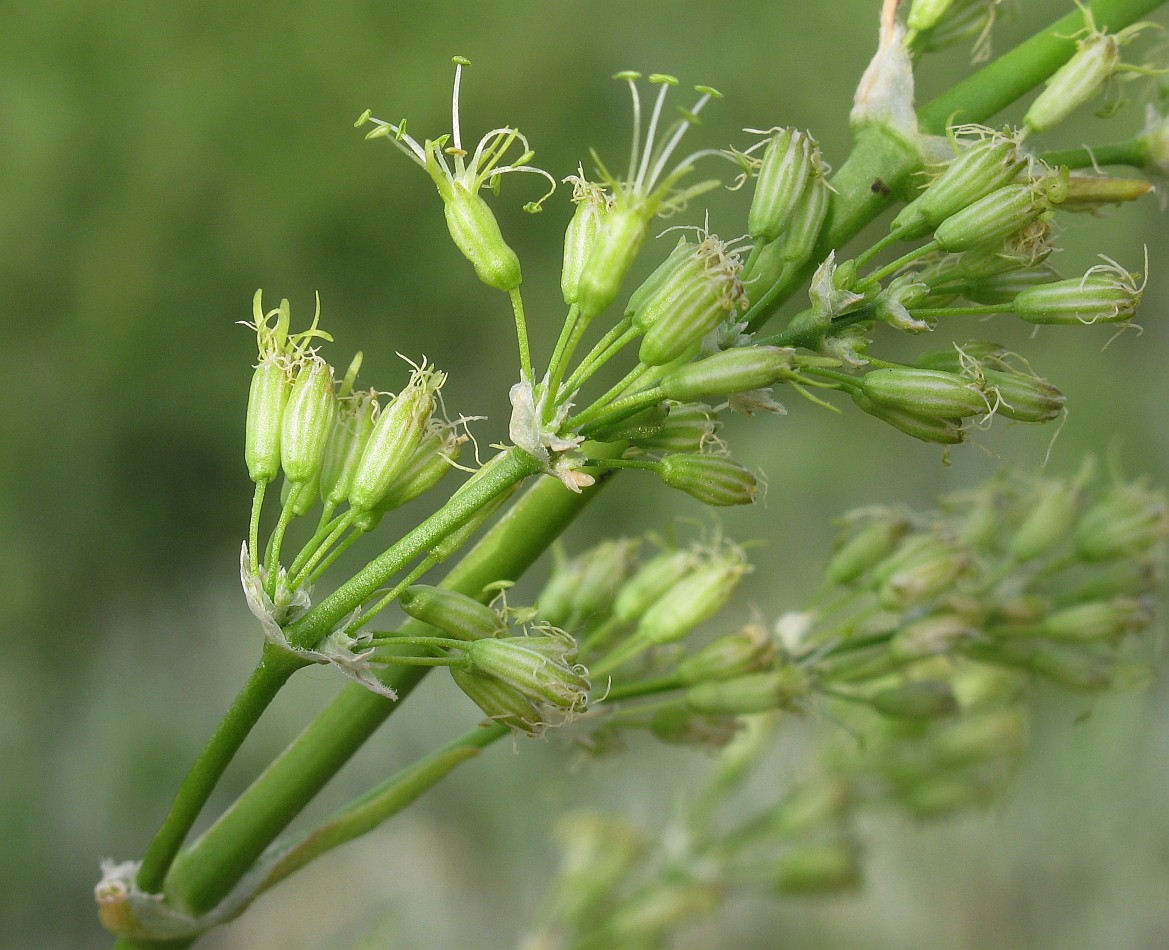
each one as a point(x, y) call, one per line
point(1097, 620)
point(953, 359)
point(865, 548)
point(712, 479)
point(823, 867)
point(681, 257)
point(998, 215)
point(613, 252)
point(538, 667)
point(783, 176)
point(1129, 520)
point(730, 371)
point(921, 699)
point(434, 457)
point(753, 693)
point(650, 582)
point(602, 571)
point(396, 435)
point(644, 425)
point(798, 240)
point(451, 612)
point(689, 428)
point(1049, 522)
point(750, 650)
point(307, 421)
point(926, 14)
point(346, 443)
point(924, 392)
point(921, 568)
point(932, 636)
point(581, 234)
point(266, 400)
point(692, 599)
point(944, 431)
point(502, 703)
point(983, 168)
point(1079, 80)
point(1110, 295)
point(1023, 397)
point(1003, 287)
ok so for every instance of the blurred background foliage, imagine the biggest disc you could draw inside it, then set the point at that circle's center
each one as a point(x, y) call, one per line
point(161, 161)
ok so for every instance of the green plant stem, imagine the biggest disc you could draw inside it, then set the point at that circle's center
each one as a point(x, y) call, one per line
point(604, 350)
point(270, 674)
point(521, 329)
point(254, 526)
point(385, 801)
point(210, 867)
point(1134, 152)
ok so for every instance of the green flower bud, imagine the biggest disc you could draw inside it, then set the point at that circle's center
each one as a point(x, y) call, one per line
point(921, 699)
point(539, 667)
point(299, 496)
point(1003, 287)
point(692, 599)
point(798, 240)
point(678, 726)
point(784, 173)
point(1093, 192)
point(451, 612)
point(396, 435)
point(1073, 667)
point(1097, 620)
point(730, 371)
point(1022, 397)
point(944, 431)
point(603, 570)
point(700, 292)
point(429, 463)
point(712, 479)
point(1106, 294)
point(266, 400)
point(748, 651)
point(866, 546)
point(924, 392)
point(307, 421)
point(948, 793)
point(650, 583)
point(1050, 518)
point(977, 738)
point(1129, 520)
point(614, 249)
point(1122, 577)
point(1079, 80)
point(689, 428)
point(502, 703)
point(476, 233)
point(926, 14)
point(998, 215)
point(932, 636)
point(753, 693)
point(818, 868)
point(983, 168)
point(592, 205)
point(954, 359)
point(347, 441)
point(644, 425)
point(923, 567)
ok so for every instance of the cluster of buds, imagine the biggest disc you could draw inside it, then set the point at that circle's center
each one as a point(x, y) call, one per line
point(527, 680)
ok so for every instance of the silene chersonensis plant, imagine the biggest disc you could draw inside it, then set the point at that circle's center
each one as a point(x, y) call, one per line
point(915, 656)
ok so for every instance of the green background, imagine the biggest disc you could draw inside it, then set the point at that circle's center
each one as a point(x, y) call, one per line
point(160, 161)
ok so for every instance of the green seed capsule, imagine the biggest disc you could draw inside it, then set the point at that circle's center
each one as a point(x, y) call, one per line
point(689, 428)
point(1023, 397)
point(476, 233)
point(1093, 298)
point(730, 371)
point(266, 400)
point(712, 479)
point(346, 443)
point(924, 392)
point(307, 421)
point(451, 612)
point(538, 667)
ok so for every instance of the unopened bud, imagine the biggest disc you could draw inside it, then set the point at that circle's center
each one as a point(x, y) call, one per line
point(680, 726)
point(712, 479)
point(753, 693)
point(1106, 295)
point(1129, 520)
point(650, 583)
point(1077, 81)
point(613, 251)
point(1049, 521)
point(502, 703)
point(730, 371)
point(866, 547)
point(591, 208)
point(944, 431)
point(266, 400)
point(1098, 620)
point(307, 421)
point(932, 636)
point(692, 598)
point(922, 699)
point(453, 613)
point(689, 428)
point(820, 868)
point(747, 651)
point(998, 215)
point(347, 441)
point(1022, 397)
point(539, 667)
point(929, 393)
point(783, 176)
